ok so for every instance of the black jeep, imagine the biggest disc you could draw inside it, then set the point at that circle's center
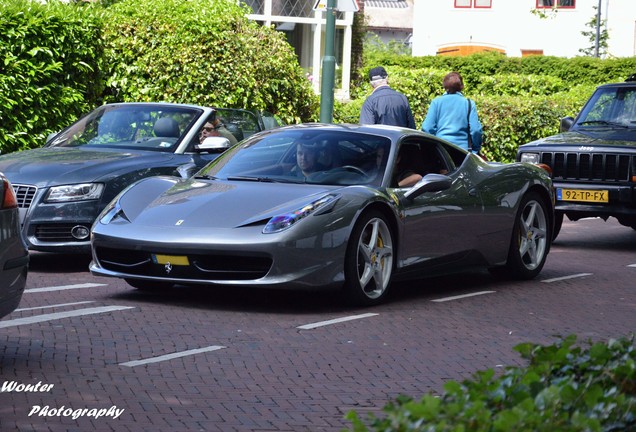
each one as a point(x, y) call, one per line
point(593, 159)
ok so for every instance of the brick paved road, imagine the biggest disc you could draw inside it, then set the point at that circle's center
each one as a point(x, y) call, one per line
point(259, 371)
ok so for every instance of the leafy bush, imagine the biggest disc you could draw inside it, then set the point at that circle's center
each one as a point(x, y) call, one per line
point(205, 53)
point(64, 59)
point(563, 388)
point(50, 72)
point(520, 85)
point(510, 121)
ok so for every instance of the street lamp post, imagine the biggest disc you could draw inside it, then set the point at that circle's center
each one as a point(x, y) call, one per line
point(597, 40)
point(327, 82)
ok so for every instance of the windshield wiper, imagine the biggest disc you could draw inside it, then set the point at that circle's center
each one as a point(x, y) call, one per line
point(256, 179)
point(602, 122)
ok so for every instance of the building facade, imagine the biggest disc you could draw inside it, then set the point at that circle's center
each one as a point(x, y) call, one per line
point(390, 20)
point(520, 27)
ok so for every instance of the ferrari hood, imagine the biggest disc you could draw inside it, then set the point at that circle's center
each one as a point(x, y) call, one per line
point(221, 204)
point(51, 166)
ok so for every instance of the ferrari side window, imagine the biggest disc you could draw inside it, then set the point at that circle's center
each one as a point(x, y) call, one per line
point(433, 163)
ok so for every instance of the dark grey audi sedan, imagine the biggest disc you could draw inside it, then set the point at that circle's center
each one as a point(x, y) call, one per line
point(62, 187)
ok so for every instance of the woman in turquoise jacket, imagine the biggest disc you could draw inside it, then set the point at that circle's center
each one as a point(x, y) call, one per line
point(453, 117)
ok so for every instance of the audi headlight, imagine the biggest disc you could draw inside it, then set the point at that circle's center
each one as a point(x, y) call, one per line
point(284, 221)
point(76, 192)
point(533, 158)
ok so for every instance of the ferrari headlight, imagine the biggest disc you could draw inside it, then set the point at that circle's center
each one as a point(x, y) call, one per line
point(532, 158)
point(282, 222)
point(76, 192)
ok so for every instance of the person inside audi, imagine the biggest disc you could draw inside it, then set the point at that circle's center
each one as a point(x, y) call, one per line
point(385, 105)
point(214, 127)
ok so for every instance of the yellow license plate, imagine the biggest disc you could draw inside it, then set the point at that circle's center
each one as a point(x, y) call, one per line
point(180, 260)
point(583, 195)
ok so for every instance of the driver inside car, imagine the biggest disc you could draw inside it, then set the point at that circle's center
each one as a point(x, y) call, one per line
point(306, 160)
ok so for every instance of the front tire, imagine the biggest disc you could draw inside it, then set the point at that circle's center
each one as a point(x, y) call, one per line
point(369, 260)
point(531, 238)
point(558, 223)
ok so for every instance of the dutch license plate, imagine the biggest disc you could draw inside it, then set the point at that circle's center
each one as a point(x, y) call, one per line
point(180, 260)
point(583, 195)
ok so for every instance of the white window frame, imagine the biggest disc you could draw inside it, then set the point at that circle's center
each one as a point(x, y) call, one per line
point(476, 4)
point(541, 4)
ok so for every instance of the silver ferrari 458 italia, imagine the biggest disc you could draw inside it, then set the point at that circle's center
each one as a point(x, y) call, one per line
point(319, 206)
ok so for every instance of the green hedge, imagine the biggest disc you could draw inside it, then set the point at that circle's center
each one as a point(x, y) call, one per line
point(61, 60)
point(564, 388)
point(50, 71)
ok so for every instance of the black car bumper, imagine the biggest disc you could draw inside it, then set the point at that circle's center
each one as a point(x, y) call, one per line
point(621, 201)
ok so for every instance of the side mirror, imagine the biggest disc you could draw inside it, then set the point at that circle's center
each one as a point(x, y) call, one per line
point(213, 145)
point(566, 124)
point(429, 183)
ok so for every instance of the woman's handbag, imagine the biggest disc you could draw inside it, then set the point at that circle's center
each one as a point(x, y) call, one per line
point(470, 138)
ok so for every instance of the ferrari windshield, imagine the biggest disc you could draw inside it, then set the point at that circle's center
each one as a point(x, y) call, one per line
point(305, 156)
point(611, 106)
point(143, 126)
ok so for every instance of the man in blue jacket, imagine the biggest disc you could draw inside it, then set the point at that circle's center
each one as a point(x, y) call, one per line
point(385, 105)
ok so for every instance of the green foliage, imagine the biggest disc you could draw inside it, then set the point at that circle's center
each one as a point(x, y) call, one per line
point(564, 388)
point(205, 53)
point(374, 45)
point(50, 72)
point(510, 121)
point(520, 85)
point(63, 59)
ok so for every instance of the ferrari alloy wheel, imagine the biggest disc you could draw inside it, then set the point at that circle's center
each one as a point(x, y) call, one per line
point(531, 238)
point(369, 260)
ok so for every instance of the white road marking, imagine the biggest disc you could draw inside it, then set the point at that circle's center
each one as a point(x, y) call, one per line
point(59, 315)
point(171, 356)
point(445, 299)
point(574, 276)
point(64, 287)
point(335, 321)
point(632, 265)
point(53, 306)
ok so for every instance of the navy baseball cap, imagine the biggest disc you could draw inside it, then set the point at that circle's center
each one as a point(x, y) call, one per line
point(377, 73)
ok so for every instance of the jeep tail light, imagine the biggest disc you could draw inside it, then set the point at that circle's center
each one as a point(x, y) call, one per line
point(8, 200)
